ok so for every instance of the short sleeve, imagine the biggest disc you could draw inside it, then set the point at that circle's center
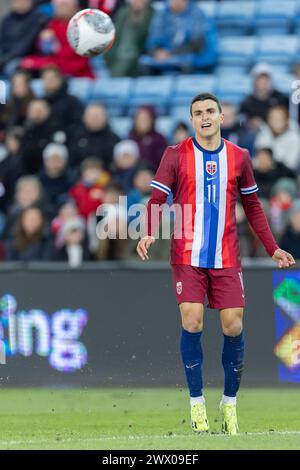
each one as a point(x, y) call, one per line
point(166, 175)
point(247, 183)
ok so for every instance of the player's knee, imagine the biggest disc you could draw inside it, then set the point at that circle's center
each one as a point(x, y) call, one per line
point(192, 325)
point(233, 328)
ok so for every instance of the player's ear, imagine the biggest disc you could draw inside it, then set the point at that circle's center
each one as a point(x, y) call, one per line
point(222, 118)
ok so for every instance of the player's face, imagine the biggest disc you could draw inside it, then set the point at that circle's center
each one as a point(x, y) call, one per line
point(206, 118)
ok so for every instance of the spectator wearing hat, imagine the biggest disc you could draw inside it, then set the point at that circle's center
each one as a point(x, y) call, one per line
point(282, 136)
point(74, 250)
point(255, 106)
point(291, 236)
point(126, 161)
point(88, 193)
point(267, 171)
point(66, 211)
point(55, 176)
point(151, 143)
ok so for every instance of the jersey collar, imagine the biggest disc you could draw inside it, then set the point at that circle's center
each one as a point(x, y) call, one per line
point(202, 149)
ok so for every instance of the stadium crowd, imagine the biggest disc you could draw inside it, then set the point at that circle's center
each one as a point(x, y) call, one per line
point(60, 159)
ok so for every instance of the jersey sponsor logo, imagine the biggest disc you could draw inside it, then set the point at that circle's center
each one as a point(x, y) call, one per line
point(211, 167)
point(179, 287)
point(209, 179)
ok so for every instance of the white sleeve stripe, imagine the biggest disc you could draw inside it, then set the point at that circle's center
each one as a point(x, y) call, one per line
point(161, 185)
point(250, 187)
point(250, 192)
point(153, 185)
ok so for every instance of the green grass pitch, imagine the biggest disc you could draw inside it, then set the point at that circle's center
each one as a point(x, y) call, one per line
point(143, 419)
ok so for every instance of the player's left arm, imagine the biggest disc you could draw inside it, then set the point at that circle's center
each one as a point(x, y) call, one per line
point(257, 217)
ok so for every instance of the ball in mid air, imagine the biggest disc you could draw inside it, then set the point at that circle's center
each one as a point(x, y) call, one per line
point(90, 32)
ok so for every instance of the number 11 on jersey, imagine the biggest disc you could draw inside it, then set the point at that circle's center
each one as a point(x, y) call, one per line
point(211, 193)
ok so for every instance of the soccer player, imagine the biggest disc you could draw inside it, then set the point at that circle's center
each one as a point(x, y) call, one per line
point(206, 174)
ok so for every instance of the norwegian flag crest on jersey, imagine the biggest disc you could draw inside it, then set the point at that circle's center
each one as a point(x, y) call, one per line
point(211, 167)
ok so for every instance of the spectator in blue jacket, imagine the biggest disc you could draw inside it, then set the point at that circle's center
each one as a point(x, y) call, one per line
point(180, 38)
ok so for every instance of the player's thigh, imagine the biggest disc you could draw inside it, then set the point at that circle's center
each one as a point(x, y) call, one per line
point(192, 314)
point(232, 320)
point(190, 283)
point(225, 288)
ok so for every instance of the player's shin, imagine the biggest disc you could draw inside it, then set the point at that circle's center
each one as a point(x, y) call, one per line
point(192, 356)
point(233, 363)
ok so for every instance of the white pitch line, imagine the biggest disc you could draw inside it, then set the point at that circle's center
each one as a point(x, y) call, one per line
point(138, 438)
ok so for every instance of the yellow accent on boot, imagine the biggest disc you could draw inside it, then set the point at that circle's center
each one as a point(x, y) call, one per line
point(229, 418)
point(199, 419)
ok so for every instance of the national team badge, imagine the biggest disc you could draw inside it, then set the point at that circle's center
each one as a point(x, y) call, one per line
point(179, 287)
point(211, 167)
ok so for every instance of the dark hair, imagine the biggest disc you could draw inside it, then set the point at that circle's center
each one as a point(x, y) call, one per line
point(266, 150)
point(22, 240)
point(203, 97)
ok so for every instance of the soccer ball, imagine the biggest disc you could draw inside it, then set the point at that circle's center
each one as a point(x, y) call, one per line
point(90, 32)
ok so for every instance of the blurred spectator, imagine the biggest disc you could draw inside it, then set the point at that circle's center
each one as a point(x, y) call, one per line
point(113, 246)
point(18, 33)
point(53, 47)
point(180, 38)
point(132, 24)
point(236, 131)
point(67, 211)
point(267, 171)
point(10, 167)
point(40, 129)
point(14, 112)
point(30, 241)
point(74, 249)
point(93, 137)
point(151, 143)
point(180, 133)
point(141, 187)
point(290, 240)
point(281, 136)
point(283, 194)
point(126, 159)
point(88, 193)
point(66, 108)
point(256, 106)
point(55, 177)
point(108, 6)
point(28, 192)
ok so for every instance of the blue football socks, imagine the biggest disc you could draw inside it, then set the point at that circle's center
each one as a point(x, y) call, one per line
point(192, 357)
point(233, 361)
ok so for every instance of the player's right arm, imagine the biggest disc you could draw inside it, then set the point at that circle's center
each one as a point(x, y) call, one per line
point(163, 184)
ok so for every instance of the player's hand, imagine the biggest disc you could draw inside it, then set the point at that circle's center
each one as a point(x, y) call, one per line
point(283, 258)
point(143, 247)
